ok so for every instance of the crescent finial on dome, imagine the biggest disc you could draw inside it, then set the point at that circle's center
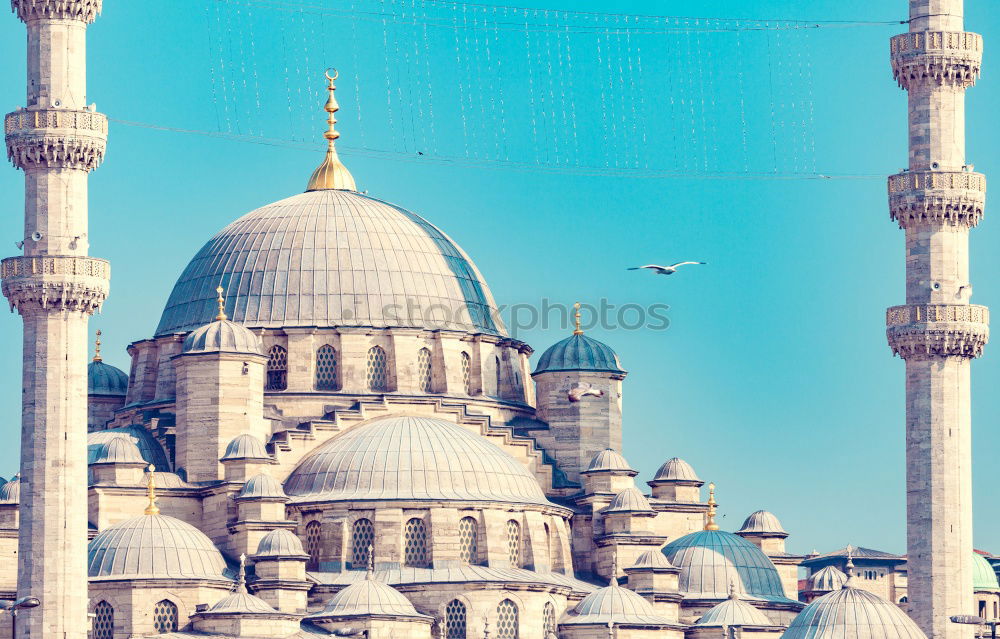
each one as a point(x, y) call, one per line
point(712, 505)
point(331, 174)
point(152, 508)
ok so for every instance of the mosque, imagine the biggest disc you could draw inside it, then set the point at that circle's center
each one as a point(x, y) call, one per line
point(331, 433)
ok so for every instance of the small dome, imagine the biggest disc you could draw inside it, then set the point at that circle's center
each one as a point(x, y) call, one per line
point(222, 336)
point(245, 446)
point(262, 486)
point(154, 547)
point(609, 460)
point(367, 598)
point(629, 500)
point(579, 353)
point(118, 450)
point(652, 560)
point(826, 579)
point(983, 575)
point(852, 613)
point(240, 603)
point(762, 523)
point(280, 543)
point(733, 612)
point(10, 493)
point(712, 560)
point(105, 379)
point(150, 449)
point(676, 469)
point(412, 458)
point(613, 603)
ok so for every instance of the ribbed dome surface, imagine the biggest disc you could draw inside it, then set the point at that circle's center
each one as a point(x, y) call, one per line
point(105, 379)
point(609, 459)
point(262, 486)
point(762, 522)
point(118, 450)
point(332, 258)
point(629, 500)
point(241, 602)
point(826, 579)
point(366, 598)
point(733, 612)
point(711, 560)
point(652, 559)
point(613, 603)
point(579, 353)
point(280, 543)
point(851, 613)
point(151, 450)
point(10, 492)
point(222, 336)
point(246, 446)
point(412, 458)
point(676, 469)
point(983, 576)
point(154, 546)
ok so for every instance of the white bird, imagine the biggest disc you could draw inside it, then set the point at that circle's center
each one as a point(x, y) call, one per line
point(664, 270)
point(579, 391)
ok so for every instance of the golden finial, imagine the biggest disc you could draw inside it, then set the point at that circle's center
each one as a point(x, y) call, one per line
point(710, 516)
point(222, 305)
point(151, 509)
point(576, 316)
point(97, 347)
point(331, 174)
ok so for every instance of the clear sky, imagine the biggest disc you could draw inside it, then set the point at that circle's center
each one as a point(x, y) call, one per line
point(774, 378)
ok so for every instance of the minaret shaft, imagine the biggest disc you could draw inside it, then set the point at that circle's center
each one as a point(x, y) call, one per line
point(936, 201)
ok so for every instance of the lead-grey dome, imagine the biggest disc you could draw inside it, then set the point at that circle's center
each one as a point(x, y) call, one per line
point(762, 522)
point(412, 458)
point(827, 579)
point(613, 603)
point(630, 500)
point(280, 543)
point(105, 379)
point(10, 492)
point(245, 446)
point(609, 460)
point(118, 450)
point(332, 258)
point(262, 486)
point(733, 612)
point(852, 613)
point(222, 336)
point(678, 470)
point(367, 598)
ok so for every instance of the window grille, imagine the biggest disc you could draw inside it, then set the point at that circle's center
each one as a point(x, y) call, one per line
point(378, 370)
point(468, 540)
point(455, 617)
point(313, 534)
point(514, 543)
point(425, 370)
point(507, 620)
point(104, 621)
point(362, 536)
point(165, 617)
point(277, 369)
point(326, 368)
point(415, 543)
point(467, 373)
point(549, 621)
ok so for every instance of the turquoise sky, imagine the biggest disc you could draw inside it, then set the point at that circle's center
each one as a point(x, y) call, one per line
point(774, 378)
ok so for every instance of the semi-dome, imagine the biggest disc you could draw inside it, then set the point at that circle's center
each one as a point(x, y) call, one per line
point(609, 460)
point(852, 613)
point(733, 612)
point(983, 576)
point(245, 446)
point(630, 500)
point(676, 469)
point(154, 547)
point(280, 543)
point(333, 258)
point(222, 336)
point(118, 450)
point(10, 492)
point(762, 522)
point(415, 458)
point(367, 598)
point(613, 603)
point(262, 486)
point(712, 560)
point(105, 379)
point(826, 579)
point(579, 353)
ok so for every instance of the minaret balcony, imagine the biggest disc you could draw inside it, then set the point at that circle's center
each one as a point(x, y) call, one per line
point(936, 58)
point(83, 10)
point(56, 138)
point(55, 282)
point(924, 330)
point(937, 198)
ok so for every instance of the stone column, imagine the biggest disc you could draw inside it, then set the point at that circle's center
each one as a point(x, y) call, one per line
point(936, 201)
point(56, 139)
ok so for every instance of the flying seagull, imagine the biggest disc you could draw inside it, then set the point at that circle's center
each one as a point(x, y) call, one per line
point(664, 270)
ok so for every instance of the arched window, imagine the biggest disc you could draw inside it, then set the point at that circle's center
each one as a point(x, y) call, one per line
point(549, 621)
point(277, 369)
point(362, 537)
point(903, 600)
point(415, 543)
point(104, 621)
point(466, 373)
point(468, 540)
point(455, 617)
point(425, 371)
point(377, 375)
point(507, 620)
point(499, 377)
point(313, 532)
point(326, 368)
point(514, 543)
point(165, 616)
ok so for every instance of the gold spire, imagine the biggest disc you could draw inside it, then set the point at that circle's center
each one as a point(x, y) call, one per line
point(222, 305)
point(710, 516)
point(331, 174)
point(151, 509)
point(97, 347)
point(576, 316)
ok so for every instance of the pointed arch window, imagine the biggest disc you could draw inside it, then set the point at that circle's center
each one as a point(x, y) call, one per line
point(468, 540)
point(499, 377)
point(455, 620)
point(104, 621)
point(313, 543)
point(508, 624)
point(362, 537)
point(165, 616)
point(277, 369)
point(425, 371)
point(415, 544)
point(467, 373)
point(549, 621)
point(514, 543)
point(377, 376)
point(326, 368)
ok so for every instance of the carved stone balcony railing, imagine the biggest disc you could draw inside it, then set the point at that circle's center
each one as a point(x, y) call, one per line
point(954, 198)
point(55, 282)
point(936, 58)
point(83, 10)
point(926, 330)
point(65, 138)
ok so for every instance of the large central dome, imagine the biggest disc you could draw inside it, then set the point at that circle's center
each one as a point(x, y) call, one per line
point(333, 258)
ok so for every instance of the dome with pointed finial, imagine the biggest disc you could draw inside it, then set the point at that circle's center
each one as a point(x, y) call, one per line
point(240, 602)
point(245, 446)
point(852, 613)
point(103, 378)
point(676, 470)
point(222, 335)
point(280, 543)
point(10, 492)
point(630, 500)
point(613, 604)
point(826, 579)
point(733, 612)
point(367, 598)
point(331, 173)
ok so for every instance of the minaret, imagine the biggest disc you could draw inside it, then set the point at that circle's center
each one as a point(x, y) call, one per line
point(936, 201)
point(56, 139)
